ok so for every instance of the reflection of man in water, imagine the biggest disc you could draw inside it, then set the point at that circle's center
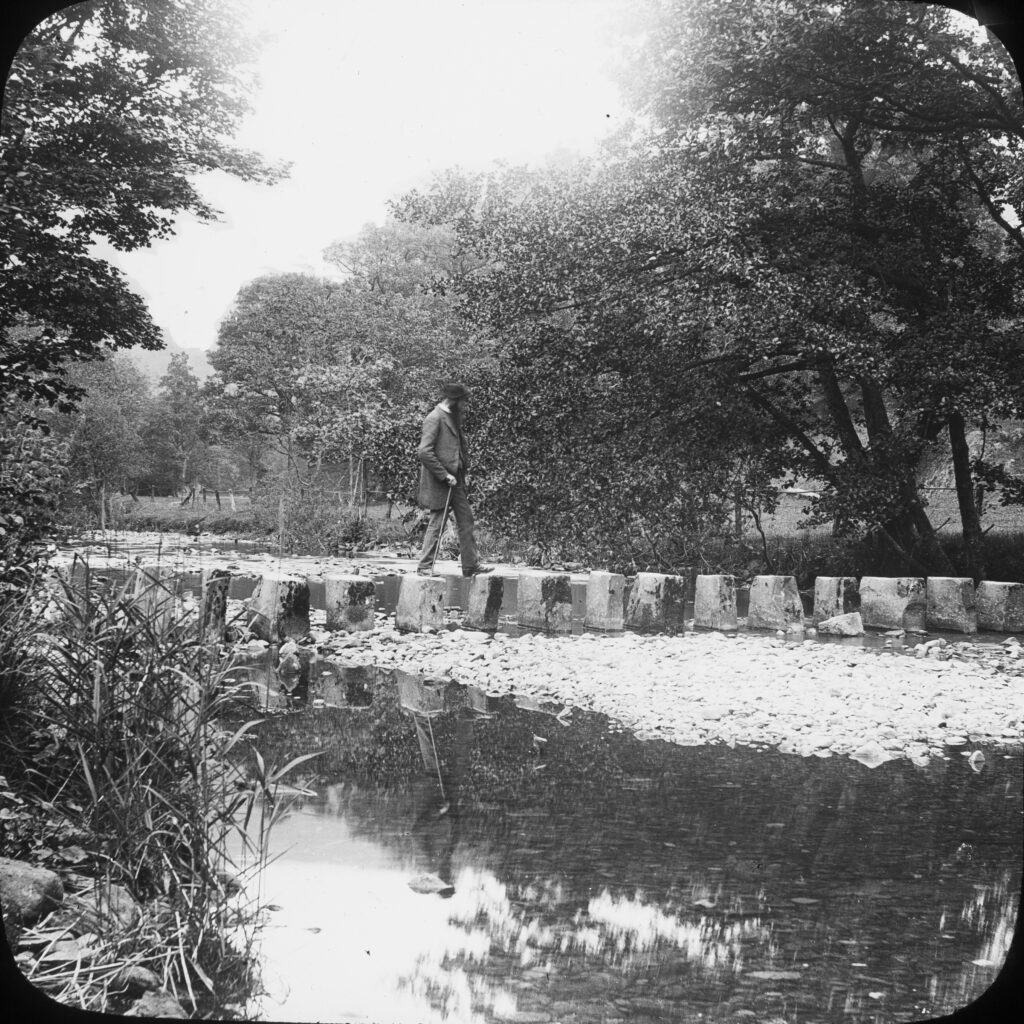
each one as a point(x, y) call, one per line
point(436, 826)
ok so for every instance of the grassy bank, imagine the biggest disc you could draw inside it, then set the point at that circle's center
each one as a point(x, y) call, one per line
point(118, 773)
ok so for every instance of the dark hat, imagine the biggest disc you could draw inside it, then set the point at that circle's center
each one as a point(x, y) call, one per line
point(454, 391)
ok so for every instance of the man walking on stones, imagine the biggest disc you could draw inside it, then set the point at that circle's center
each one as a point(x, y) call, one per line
point(442, 453)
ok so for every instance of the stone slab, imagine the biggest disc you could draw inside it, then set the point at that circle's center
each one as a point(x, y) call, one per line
point(1000, 606)
point(154, 589)
point(657, 601)
point(349, 601)
point(714, 602)
point(775, 604)
point(213, 604)
point(544, 601)
point(833, 596)
point(279, 607)
point(420, 603)
point(893, 602)
point(951, 604)
point(605, 606)
point(484, 601)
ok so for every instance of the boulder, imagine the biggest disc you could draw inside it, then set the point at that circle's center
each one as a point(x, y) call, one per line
point(28, 892)
point(350, 602)
point(849, 624)
point(951, 604)
point(1000, 606)
point(657, 602)
point(714, 602)
point(835, 595)
point(279, 607)
point(605, 593)
point(483, 607)
point(157, 1004)
point(213, 606)
point(545, 602)
point(775, 603)
point(420, 603)
point(893, 602)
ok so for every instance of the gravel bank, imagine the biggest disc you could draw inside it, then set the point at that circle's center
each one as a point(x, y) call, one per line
point(805, 697)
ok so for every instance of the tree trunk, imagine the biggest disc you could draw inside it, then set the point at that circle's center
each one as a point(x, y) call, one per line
point(103, 506)
point(970, 519)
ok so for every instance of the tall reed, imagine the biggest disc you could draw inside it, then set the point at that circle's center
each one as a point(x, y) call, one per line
point(133, 703)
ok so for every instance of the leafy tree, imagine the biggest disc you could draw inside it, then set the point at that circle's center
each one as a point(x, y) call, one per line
point(103, 434)
point(810, 225)
point(110, 110)
point(176, 433)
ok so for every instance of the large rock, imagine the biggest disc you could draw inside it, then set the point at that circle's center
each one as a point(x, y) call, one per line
point(835, 595)
point(483, 607)
point(1000, 606)
point(545, 602)
point(157, 1004)
point(951, 604)
point(28, 892)
point(775, 603)
point(657, 602)
point(420, 603)
point(350, 602)
point(893, 602)
point(279, 607)
point(605, 592)
point(213, 605)
point(154, 589)
point(849, 624)
point(714, 602)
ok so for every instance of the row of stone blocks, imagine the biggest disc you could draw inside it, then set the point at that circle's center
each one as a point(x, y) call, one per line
point(280, 604)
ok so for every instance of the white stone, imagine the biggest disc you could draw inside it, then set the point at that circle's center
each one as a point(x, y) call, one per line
point(657, 601)
point(893, 602)
point(544, 601)
point(605, 600)
point(420, 603)
point(714, 603)
point(349, 601)
point(774, 603)
point(951, 604)
point(849, 624)
point(1000, 606)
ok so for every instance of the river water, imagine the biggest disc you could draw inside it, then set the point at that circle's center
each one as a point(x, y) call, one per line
point(464, 858)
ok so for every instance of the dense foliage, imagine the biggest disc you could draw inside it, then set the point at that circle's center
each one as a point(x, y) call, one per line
point(801, 259)
point(166, 84)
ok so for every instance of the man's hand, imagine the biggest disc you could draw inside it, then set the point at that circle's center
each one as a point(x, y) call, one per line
point(450, 480)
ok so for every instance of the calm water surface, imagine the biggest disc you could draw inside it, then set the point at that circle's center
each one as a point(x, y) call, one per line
point(586, 876)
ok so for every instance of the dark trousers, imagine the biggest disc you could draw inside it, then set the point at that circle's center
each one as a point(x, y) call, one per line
point(468, 553)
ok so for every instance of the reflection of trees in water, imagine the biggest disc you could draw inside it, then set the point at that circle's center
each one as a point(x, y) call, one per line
point(576, 850)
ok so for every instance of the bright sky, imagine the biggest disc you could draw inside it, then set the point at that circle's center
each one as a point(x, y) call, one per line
point(367, 98)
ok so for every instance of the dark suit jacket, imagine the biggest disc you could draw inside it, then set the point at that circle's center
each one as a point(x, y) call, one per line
point(439, 453)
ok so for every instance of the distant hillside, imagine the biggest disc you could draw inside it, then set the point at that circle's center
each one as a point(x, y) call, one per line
point(154, 364)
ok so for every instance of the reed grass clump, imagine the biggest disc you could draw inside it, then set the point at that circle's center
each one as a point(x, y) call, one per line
point(156, 813)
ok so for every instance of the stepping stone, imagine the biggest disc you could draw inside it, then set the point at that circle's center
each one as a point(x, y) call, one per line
point(893, 602)
point(545, 602)
point(1000, 606)
point(279, 607)
point(420, 603)
point(775, 603)
point(657, 601)
point(835, 595)
point(714, 602)
point(213, 604)
point(153, 589)
point(349, 601)
point(951, 604)
point(605, 592)
point(486, 595)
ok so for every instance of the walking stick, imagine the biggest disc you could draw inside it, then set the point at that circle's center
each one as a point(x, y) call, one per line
point(444, 519)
